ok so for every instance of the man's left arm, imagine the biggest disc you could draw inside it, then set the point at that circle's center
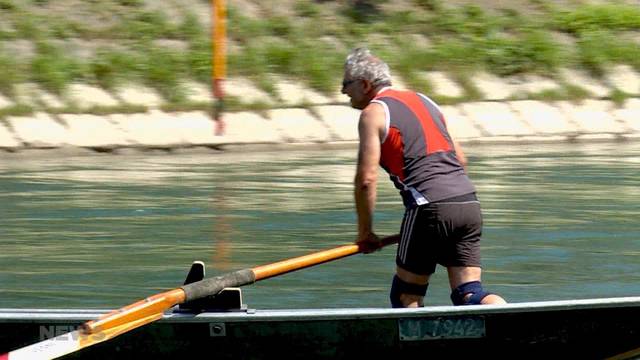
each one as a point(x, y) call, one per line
point(462, 158)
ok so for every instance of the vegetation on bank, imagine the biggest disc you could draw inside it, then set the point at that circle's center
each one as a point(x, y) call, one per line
point(309, 41)
point(461, 40)
point(130, 48)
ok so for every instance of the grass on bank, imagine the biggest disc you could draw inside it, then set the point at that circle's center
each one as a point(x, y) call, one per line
point(10, 74)
point(612, 16)
point(310, 47)
point(462, 40)
point(53, 69)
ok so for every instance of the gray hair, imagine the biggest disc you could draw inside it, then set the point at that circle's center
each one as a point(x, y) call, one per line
point(361, 64)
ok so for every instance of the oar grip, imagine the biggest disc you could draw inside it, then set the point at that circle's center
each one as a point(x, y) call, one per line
point(212, 286)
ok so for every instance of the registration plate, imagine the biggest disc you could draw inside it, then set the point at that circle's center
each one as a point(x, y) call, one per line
point(414, 329)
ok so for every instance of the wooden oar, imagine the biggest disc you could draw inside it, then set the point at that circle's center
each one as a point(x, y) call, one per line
point(152, 308)
point(631, 354)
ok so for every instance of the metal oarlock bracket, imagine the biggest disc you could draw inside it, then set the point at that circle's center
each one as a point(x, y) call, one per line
point(229, 299)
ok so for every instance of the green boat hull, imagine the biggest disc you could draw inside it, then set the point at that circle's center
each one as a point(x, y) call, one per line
point(584, 329)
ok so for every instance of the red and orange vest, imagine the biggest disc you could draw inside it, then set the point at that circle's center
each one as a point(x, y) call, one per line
point(417, 150)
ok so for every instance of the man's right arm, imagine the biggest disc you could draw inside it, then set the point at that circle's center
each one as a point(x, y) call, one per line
point(370, 125)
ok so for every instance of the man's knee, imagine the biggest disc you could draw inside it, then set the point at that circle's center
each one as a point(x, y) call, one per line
point(399, 287)
point(469, 293)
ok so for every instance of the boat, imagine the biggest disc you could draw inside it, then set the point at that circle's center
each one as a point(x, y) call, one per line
point(207, 317)
point(580, 329)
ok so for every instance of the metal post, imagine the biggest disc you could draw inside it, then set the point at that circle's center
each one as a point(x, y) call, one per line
point(218, 44)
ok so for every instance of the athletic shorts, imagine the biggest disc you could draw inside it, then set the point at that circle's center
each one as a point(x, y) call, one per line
point(446, 232)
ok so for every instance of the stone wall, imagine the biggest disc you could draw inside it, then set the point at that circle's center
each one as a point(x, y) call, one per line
point(512, 121)
point(298, 115)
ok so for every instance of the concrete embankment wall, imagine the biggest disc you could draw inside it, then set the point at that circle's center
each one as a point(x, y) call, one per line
point(305, 117)
point(512, 121)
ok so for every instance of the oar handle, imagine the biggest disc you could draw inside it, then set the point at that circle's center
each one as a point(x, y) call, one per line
point(301, 262)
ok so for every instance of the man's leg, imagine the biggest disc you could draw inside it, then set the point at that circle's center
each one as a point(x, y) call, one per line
point(408, 289)
point(467, 287)
point(415, 257)
point(462, 256)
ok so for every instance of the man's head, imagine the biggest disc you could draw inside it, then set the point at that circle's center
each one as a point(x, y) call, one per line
point(364, 75)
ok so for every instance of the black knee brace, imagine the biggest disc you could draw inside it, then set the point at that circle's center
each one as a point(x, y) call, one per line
point(474, 288)
point(399, 287)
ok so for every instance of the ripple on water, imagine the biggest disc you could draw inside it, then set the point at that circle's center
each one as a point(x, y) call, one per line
point(560, 222)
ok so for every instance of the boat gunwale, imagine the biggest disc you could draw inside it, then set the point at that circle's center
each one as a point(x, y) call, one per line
point(250, 315)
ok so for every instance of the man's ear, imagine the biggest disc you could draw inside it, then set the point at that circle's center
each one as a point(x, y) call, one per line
point(367, 86)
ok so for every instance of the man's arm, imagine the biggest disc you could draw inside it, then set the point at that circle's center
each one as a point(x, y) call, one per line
point(370, 129)
point(462, 158)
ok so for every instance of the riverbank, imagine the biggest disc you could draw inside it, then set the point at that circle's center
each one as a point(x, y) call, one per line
point(118, 76)
point(319, 125)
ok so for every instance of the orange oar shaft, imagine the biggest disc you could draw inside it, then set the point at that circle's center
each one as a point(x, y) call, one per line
point(301, 262)
point(152, 305)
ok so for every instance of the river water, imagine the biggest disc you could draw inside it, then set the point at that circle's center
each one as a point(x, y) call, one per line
point(562, 221)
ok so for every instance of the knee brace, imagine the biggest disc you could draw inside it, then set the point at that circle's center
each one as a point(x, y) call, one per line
point(399, 287)
point(474, 288)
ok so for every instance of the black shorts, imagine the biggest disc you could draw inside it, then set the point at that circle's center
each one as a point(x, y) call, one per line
point(446, 233)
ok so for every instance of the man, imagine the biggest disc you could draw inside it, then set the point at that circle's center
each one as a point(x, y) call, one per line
point(406, 134)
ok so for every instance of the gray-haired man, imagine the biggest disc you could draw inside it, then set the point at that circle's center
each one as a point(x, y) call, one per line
point(405, 132)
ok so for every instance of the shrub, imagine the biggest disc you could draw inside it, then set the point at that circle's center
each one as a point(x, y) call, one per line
point(131, 3)
point(432, 5)
point(110, 67)
point(163, 69)
point(320, 66)
point(9, 75)
point(145, 26)
point(599, 16)
point(242, 28)
point(455, 53)
point(279, 26)
point(190, 29)
point(7, 5)
point(533, 52)
point(198, 59)
point(53, 69)
point(305, 8)
point(26, 27)
point(598, 48)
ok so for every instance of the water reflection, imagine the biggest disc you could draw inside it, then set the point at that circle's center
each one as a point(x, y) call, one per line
point(223, 229)
point(101, 231)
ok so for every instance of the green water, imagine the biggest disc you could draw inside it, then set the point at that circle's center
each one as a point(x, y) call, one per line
point(561, 221)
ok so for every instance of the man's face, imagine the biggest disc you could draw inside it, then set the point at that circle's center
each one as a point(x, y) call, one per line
point(356, 90)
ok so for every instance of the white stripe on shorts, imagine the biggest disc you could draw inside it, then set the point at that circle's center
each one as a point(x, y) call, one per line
point(407, 230)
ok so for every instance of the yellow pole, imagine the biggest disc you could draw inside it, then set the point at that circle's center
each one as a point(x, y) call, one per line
point(218, 43)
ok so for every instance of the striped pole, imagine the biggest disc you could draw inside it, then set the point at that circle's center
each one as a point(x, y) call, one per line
point(219, 69)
